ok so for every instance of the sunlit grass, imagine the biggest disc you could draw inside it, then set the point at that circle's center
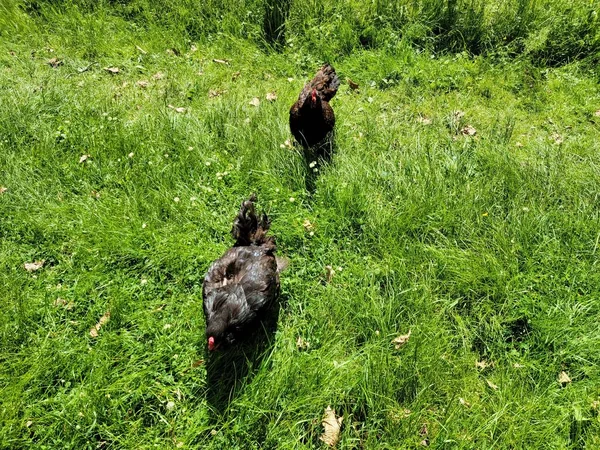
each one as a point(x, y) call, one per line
point(484, 246)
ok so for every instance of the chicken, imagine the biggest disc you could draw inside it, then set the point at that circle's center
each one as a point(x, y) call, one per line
point(311, 117)
point(243, 284)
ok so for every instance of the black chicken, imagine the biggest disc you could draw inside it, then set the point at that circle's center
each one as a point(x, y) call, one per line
point(243, 284)
point(311, 117)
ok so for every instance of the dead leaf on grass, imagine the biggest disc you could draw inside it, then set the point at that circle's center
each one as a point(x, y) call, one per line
point(212, 93)
point(84, 158)
point(3, 190)
point(178, 109)
point(458, 114)
point(329, 273)
point(34, 266)
point(112, 70)
point(482, 364)
point(302, 344)
point(308, 226)
point(557, 138)
point(401, 340)
point(354, 86)
point(158, 76)
point(563, 378)
point(55, 62)
point(141, 50)
point(255, 101)
point(597, 113)
point(424, 120)
point(103, 320)
point(271, 96)
point(492, 385)
point(221, 61)
point(468, 130)
point(463, 402)
point(424, 432)
point(143, 83)
point(332, 426)
point(235, 75)
point(287, 144)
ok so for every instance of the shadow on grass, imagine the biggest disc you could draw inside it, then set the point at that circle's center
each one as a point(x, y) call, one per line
point(316, 158)
point(231, 369)
point(276, 13)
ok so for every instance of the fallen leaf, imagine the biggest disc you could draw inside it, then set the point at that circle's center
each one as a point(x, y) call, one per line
point(464, 402)
point(179, 109)
point(170, 405)
point(255, 101)
point(143, 83)
point(424, 432)
point(401, 340)
point(597, 113)
point(332, 426)
point(193, 48)
point(103, 320)
point(235, 75)
point(221, 61)
point(3, 190)
point(458, 115)
point(563, 378)
point(468, 130)
point(112, 70)
point(518, 144)
point(62, 302)
point(215, 93)
point(302, 344)
point(95, 194)
point(557, 138)
point(141, 50)
point(198, 363)
point(424, 120)
point(308, 226)
point(84, 158)
point(481, 364)
point(287, 144)
point(12, 53)
point(33, 266)
point(290, 79)
point(55, 62)
point(329, 273)
point(354, 86)
point(271, 96)
point(518, 366)
point(158, 76)
point(595, 405)
point(29, 423)
point(492, 385)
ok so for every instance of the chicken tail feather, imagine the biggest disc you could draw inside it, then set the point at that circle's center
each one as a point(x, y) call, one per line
point(247, 228)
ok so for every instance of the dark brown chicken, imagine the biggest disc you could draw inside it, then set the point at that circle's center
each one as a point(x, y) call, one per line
point(243, 284)
point(311, 117)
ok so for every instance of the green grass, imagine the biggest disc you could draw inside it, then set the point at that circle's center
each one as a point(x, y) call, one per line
point(485, 247)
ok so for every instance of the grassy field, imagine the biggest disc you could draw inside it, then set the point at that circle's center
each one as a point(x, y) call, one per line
point(462, 206)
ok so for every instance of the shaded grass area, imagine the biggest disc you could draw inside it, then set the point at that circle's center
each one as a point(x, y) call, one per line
point(484, 246)
point(549, 32)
